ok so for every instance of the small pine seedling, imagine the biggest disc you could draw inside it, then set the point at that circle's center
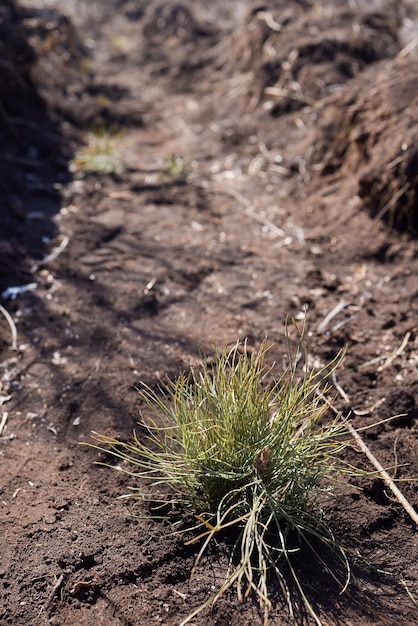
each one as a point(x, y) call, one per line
point(247, 452)
point(100, 155)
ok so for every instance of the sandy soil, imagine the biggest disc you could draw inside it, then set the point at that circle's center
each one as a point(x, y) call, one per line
point(265, 161)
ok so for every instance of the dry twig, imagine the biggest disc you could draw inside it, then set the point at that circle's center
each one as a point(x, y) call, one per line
point(54, 590)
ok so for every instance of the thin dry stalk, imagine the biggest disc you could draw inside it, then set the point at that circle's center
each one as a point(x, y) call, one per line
point(337, 309)
point(56, 587)
point(379, 467)
point(12, 326)
point(383, 473)
point(252, 213)
point(396, 353)
point(410, 47)
point(3, 422)
point(54, 254)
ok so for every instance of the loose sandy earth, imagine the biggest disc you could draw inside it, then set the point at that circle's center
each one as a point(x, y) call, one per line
point(266, 161)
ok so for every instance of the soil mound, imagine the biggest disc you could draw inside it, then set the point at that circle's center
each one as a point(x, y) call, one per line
point(371, 133)
point(296, 53)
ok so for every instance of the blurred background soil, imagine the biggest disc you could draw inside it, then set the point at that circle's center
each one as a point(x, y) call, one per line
point(176, 175)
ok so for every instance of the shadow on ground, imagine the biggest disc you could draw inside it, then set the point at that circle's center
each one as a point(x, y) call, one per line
point(34, 158)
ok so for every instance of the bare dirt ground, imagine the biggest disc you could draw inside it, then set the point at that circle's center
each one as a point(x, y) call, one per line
point(267, 162)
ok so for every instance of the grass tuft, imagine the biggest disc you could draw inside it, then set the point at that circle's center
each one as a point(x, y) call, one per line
point(100, 155)
point(248, 453)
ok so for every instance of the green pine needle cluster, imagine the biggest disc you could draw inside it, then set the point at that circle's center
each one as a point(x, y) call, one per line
point(247, 452)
